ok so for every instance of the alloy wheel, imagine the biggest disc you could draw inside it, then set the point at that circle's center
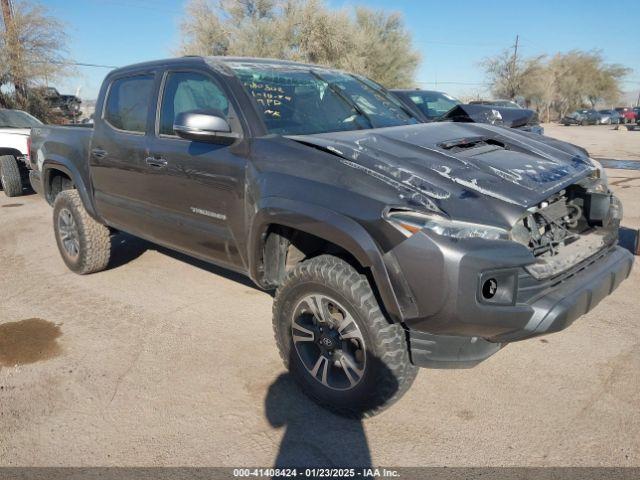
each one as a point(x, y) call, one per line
point(68, 232)
point(328, 342)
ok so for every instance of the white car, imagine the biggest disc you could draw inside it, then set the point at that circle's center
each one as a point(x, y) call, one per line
point(15, 127)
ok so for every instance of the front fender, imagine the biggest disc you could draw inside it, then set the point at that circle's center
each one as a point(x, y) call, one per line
point(327, 225)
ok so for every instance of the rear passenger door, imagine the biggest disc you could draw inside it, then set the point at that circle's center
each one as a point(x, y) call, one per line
point(118, 155)
point(198, 186)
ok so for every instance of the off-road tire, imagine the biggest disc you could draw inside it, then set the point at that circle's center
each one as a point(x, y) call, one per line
point(389, 373)
point(93, 237)
point(10, 176)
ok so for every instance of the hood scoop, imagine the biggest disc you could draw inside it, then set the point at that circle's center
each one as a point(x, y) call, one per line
point(472, 145)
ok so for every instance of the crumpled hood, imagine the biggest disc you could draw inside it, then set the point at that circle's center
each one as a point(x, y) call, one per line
point(432, 164)
point(505, 116)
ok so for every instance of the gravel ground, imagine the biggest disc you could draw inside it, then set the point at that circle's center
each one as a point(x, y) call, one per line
point(162, 360)
point(602, 141)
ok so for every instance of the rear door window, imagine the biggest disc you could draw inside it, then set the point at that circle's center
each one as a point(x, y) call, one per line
point(128, 103)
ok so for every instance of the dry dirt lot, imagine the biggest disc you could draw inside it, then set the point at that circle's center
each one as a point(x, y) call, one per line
point(602, 141)
point(162, 360)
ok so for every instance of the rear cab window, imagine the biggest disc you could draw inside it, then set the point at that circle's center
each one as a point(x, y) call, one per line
point(128, 101)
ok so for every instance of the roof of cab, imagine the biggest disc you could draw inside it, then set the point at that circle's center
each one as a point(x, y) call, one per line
point(210, 60)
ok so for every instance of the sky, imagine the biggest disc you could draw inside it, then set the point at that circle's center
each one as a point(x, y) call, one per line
point(452, 36)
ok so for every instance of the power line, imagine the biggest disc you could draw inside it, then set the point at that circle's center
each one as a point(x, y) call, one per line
point(148, 6)
point(453, 83)
point(457, 44)
point(77, 64)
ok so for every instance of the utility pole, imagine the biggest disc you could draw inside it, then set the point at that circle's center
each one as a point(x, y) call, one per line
point(514, 64)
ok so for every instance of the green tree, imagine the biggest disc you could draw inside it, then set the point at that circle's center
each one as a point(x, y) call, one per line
point(365, 41)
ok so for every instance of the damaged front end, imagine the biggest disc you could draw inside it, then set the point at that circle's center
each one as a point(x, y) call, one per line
point(569, 227)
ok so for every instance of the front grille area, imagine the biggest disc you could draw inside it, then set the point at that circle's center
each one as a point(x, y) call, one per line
point(530, 288)
point(567, 228)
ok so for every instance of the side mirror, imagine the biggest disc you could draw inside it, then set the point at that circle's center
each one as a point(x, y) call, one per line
point(204, 126)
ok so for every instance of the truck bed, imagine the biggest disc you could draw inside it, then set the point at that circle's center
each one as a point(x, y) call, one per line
point(70, 143)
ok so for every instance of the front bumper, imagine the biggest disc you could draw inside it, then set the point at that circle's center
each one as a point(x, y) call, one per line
point(455, 326)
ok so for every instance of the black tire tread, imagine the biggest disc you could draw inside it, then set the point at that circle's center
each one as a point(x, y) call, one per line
point(95, 237)
point(389, 338)
point(12, 178)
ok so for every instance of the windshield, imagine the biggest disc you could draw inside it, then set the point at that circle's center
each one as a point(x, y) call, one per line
point(17, 119)
point(298, 100)
point(505, 103)
point(433, 104)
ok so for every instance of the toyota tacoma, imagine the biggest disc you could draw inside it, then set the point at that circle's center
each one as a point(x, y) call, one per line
point(391, 244)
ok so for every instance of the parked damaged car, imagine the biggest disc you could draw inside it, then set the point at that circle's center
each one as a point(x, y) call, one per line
point(627, 114)
point(66, 106)
point(609, 117)
point(432, 106)
point(496, 103)
point(390, 243)
point(581, 117)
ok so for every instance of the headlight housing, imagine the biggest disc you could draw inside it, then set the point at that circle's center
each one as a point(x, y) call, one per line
point(409, 222)
point(600, 176)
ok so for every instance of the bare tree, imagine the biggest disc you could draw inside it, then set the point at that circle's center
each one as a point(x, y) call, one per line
point(563, 82)
point(505, 73)
point(372, 43)
point(32, 52)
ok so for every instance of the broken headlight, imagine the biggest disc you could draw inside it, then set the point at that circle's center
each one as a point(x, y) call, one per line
point(601, 182)
point(409, 222)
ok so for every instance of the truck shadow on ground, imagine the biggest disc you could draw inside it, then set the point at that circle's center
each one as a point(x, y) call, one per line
point(316, 437)
point(126, 248)
point(313, 436)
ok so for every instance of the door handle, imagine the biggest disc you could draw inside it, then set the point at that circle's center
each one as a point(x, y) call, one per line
point(156, 162)
point(98, 153)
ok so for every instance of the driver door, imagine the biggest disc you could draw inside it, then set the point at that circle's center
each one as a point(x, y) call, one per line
point(198, 186)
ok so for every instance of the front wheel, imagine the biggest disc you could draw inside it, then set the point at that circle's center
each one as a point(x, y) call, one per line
point(84, 244)
point(10, 176)
point(336, 342)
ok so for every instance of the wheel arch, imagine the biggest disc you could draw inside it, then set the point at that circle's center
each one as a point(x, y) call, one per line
point(341, 236)
point(53, 167)
point(11, 151)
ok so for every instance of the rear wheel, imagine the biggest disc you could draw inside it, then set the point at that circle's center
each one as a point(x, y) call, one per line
point(10, 176)
point(84, 244)
point(335, 340)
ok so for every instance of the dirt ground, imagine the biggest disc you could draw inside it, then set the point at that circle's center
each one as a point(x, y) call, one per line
point(602, 141)
point(162, 360)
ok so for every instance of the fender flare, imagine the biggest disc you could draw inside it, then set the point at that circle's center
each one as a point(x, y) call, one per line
point(55, 162)
point(11, 151)
point(327, 225)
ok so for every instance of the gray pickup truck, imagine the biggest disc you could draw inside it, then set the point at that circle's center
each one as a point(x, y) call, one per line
point(391, 244)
